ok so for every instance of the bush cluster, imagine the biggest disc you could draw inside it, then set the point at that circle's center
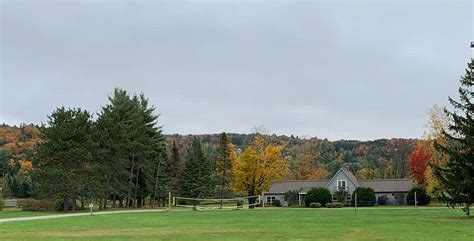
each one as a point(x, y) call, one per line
point(315, 205)
point(35, 205)
point(382, 200)
point(317, 195)
point(422, 197)
point(365, 196)
point(276, 203)
point(334, 205)
point(291, 197)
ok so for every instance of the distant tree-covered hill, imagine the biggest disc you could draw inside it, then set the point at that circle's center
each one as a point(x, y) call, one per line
point(315, 158)
point(308, 158)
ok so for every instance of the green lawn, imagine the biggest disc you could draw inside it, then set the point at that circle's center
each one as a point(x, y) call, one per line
point(14, 213)
point(270, 224)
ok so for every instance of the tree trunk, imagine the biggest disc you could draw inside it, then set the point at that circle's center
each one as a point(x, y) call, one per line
point(222, 187)
point(65, 205)
point(130, 182)
point(136, 183)
point(156, 184)
point(114, 198)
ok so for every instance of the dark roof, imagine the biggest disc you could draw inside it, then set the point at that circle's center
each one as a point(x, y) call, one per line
point(388, 185)
point(302, 186)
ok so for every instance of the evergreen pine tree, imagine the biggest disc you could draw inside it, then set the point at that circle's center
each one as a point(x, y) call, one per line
point(457, 177)
point(113, 138)
point(176, 171)
point(197, 173)
point(147, 143)
point(223, 166)
point(132, 149)
point(64, 157)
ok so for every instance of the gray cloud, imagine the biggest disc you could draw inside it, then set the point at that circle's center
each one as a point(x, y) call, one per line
point(353, 70)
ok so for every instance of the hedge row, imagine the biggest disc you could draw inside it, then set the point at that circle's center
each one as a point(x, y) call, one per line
point(35, 205)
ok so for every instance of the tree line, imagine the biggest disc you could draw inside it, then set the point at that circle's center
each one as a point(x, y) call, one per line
point(122, 158)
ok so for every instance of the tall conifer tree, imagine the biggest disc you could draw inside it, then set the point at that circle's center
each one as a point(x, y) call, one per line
point(176, 172)
point(457, 177)
point(197, 173)
point(64, 157)
point(223, 166)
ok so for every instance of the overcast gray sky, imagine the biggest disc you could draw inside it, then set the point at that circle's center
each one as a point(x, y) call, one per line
point(337, 70)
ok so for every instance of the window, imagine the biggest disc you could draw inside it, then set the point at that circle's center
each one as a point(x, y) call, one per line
point(348, 197)
point(341, 185)
point(270, 200)
point(334, 197)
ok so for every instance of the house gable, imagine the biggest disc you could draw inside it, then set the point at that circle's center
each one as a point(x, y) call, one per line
point(343, 175)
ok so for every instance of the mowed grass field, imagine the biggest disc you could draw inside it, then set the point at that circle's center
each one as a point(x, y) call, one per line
point(268, 224)
point(15, 213)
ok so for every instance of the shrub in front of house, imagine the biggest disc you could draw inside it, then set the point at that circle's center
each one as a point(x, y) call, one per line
point(317, 195)
point(382, 200)
point(341, 196)
point(315, 205)
point(422, 196)
point(276, 203)
point(291, 197)
point(365, 196)
point(338, 205)
point(334, 205)
point(400, 198)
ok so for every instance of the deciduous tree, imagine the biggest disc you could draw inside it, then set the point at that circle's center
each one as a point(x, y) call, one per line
point(418, 161)
point(258, 166)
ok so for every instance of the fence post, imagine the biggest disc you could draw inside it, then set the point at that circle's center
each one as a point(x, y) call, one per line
point(415, 200)
point(169, 201)
point(1, 199)
point(355, 203)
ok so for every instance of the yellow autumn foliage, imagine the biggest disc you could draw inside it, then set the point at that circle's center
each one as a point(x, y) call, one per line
point(25, 164)
point(258, 166)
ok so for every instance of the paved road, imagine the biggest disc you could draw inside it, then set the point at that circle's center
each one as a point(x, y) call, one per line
point(6, 220)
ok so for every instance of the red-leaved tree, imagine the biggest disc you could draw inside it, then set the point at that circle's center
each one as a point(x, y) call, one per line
point(418, 161)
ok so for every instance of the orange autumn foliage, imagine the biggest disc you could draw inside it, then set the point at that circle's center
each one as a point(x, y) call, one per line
point(25, 164)
point(306, 170)
point(418, 162)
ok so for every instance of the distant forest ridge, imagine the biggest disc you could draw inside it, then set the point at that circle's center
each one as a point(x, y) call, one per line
point(308, 159)
point(316, 158)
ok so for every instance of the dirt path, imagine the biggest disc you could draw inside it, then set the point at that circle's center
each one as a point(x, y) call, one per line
point(6, 220)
